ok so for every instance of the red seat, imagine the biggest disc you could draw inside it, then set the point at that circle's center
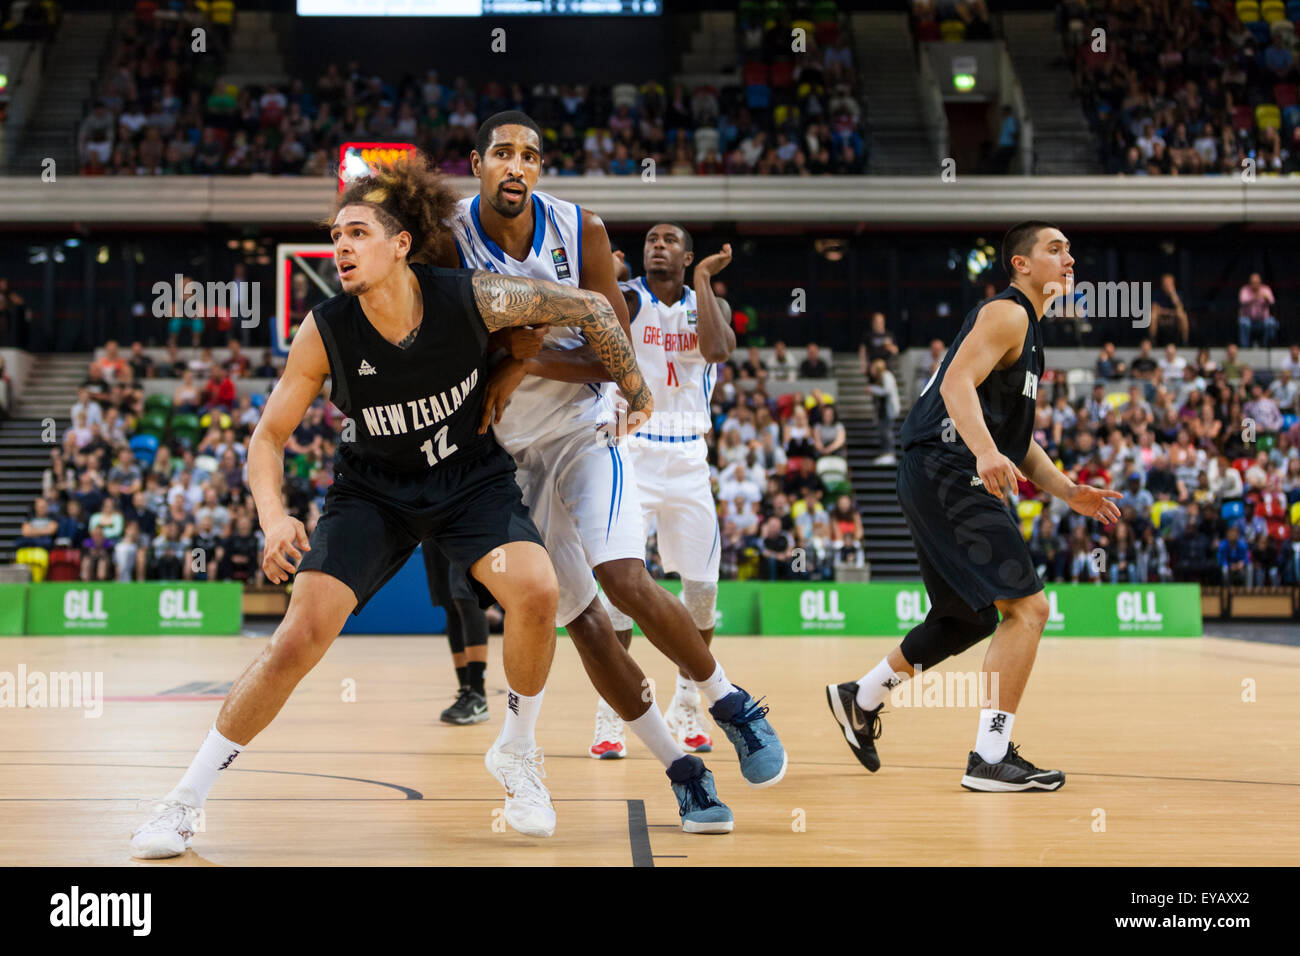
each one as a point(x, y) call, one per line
point(1284, 95)
point(1243, 117)
point(65, 565)
point(782, 74)
point(1241, 464)
point(755, 74)
point(827, 32)
point(1273, 505)
point(1279, 531)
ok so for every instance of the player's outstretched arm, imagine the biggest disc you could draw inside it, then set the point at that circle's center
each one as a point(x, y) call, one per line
point(304, 374)
point(717, 338)
point(1085, 499)
point(504, 301)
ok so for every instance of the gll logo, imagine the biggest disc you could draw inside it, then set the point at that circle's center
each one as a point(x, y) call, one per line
point(820, 608)
point(180, 605)
point(82, 605)
point(911, 606)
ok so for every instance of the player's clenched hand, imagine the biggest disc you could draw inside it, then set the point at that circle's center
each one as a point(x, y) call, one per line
point(502, 381)
point(286, 540)
point(999, 474)
point(525, 341)
point(1094, 502)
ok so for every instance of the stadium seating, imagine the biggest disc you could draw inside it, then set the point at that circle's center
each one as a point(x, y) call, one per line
point(145, 448)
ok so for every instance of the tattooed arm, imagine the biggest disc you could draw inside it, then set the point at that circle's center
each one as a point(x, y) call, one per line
point(505, 301)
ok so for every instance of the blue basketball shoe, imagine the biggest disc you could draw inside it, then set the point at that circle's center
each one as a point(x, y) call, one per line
point(762, 758)
point(697, 798)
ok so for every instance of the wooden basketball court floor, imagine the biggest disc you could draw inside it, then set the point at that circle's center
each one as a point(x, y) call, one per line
point(1166, 763)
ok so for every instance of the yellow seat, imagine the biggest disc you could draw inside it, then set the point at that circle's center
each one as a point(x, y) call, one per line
point(952, 31)
point(1158, 509)
point(1295, 513)
point(1116, 400)
point(38, 559)
point(1247, 11)
point(1268, 116)
point(1029, 510)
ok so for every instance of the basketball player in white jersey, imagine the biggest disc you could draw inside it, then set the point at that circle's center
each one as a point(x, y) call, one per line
point(576, 481)
point(679, 334)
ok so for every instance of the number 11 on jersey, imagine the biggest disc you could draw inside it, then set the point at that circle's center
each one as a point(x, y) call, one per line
point(443, 450)
point(672, 375)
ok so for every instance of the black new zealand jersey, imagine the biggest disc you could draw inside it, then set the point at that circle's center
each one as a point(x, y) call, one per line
point(1007, 397)
point(412, 408)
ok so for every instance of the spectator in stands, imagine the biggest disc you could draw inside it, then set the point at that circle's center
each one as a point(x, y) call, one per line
point(1121, 555)
point(72, 529)
point(813, 365)
point(1144, 365)
point(754, 367)
point(782, 367)
point(846, 530)
point(1283, 390)
point(878, 343)
point(1234, 559)
point(237, 364)
point(797, 437)
point(97, 556)
point(1108, 365)
point(187, 398)
point(169, 553)
point(220, 392)
point(1167, 311)
point(829, 437)
point(777, 547)
point(129, 555)
point(1288, 561)
point(141, 364)
point(39, 529)
point(108, 518)
point(1255, 317)
point(883, 388)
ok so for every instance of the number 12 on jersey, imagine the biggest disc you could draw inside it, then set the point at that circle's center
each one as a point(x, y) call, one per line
point(443, 450)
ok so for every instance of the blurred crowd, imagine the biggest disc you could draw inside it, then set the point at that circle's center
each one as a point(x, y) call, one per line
point(785, 508)
point(163, 109)
point(1206, 453)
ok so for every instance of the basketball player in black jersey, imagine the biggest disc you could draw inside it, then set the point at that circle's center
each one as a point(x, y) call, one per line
point(967, 442)
point(404, 346)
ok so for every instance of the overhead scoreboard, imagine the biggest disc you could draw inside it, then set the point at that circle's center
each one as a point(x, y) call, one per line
point(478, 8)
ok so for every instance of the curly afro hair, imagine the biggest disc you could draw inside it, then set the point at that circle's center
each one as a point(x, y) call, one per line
point(409, 195)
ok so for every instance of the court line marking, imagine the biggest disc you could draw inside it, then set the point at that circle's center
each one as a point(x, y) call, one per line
point(638, 835)
point(1087, 773)
point(411, 793)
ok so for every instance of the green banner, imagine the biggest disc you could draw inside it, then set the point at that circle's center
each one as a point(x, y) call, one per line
point(737, 612)
point(143, 608)
point(13, 608)
point(894, 608)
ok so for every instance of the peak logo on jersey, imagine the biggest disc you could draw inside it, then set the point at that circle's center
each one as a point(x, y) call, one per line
point(366, 369)
point(561, 262)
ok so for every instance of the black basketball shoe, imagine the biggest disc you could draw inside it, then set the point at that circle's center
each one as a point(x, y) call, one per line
point(1012, 772)
point(861, 727)
point(470, 708)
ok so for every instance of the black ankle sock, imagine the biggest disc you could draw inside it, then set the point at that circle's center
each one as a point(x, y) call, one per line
point(476, 670)
point(462, 676)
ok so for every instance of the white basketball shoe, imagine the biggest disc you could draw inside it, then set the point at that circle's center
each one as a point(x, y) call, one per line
point(517, 766)
point(167, 833)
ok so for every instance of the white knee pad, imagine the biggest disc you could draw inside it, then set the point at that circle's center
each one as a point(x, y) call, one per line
point(620, 620)
point(701, 599)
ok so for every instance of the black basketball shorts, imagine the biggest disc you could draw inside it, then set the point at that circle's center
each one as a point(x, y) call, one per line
point(970, 546)
point(372, 521)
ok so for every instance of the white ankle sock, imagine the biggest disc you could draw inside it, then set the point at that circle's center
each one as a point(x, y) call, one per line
point(994, 734)
point(214, 756)
point(521, 716)
point(717, 686)
point(652, 731)
point(874, 688)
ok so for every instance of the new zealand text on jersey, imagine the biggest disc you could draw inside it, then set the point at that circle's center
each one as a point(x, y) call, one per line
point(423, 412)
point(671, 341)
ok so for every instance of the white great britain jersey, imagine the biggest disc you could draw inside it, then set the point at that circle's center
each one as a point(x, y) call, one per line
point(539, 408)
point(666, 339)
